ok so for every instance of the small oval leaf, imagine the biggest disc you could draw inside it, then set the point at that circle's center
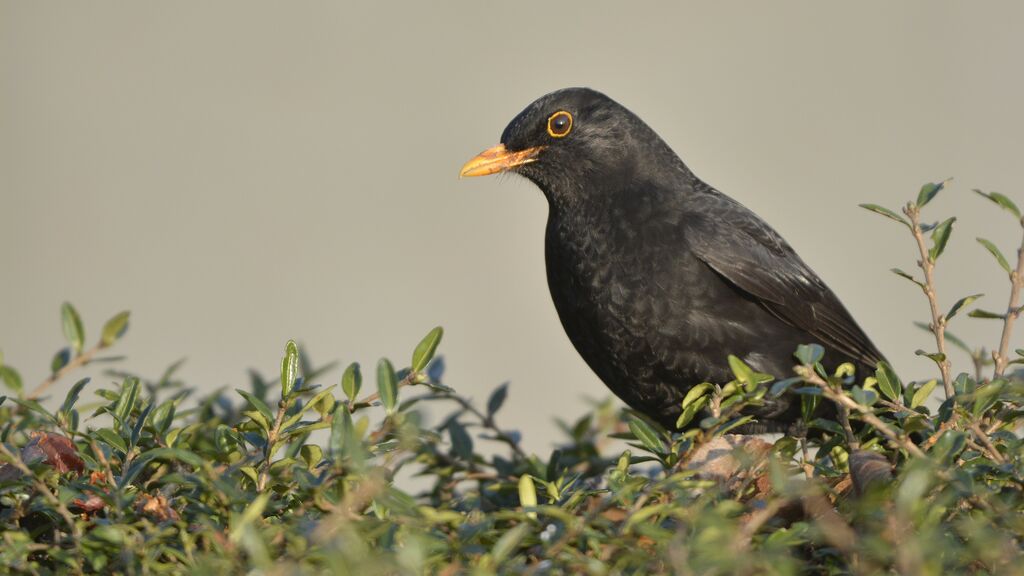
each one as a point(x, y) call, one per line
point(425, 350)
point(289, 368)
point(387, 386)
point(496, 400)
point(114, 329)
point(352, 381)
point(940, 236)
point(72, 324)
point(966, 300)
point(888, 382)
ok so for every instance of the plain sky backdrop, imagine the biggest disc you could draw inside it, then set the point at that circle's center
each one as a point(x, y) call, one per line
point(240, 173)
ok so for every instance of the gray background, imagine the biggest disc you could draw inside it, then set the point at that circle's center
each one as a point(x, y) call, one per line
point(241, 173)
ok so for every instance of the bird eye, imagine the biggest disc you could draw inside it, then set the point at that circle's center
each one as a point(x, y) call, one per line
point(559, 124)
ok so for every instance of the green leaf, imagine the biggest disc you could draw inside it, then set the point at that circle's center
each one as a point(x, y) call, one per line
point(306, 428)
point(527, 494)
point(11, 378)
point(1003, 202)
point(696, 392)
point(72, 323)
point(289, 368)
point(979, 313)
point(921, 394)
point(496, 400)
point(126, 400)
point(862, 396)
point(809, 404)
point(252, 513)
point(387, 385)
point(322, 402)
point(462, 444)
point(341, 430)
point(691, 409)
point(508, 542)
point(312, 455)
point(949, 446)
point(258, 404)
point(72, 396)
point(885, 212)
point(780, 387)
point(995, 252)
point(928, 191)
point(114, 329)
point(966, 300)
point(145, 458)
point(888, 382)
point(164, 415)
point(940, 236)
point(60, 360)
point(424, 352)
point(809, 354)
point(352, 381)
point(111, 438)
point(936, 357)
point(250, 473)
point(646, 434)
point(986, 396)
point(744, 374)
point(734, 423)
point(906, 275)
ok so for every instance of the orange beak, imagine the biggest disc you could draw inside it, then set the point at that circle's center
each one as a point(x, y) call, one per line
point(498, 159)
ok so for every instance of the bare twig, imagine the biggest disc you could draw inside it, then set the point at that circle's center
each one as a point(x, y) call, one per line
point(489, 424)
point(811, 377)
point(77, 362)
point(805, 462)
point(938, 323)
point(409, 380)
point(1012, 312)
point(745, 535)
point(844, 419)
point(986, 442)
point(272, 437)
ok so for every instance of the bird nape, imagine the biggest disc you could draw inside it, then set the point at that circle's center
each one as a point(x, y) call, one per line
point(656, 276)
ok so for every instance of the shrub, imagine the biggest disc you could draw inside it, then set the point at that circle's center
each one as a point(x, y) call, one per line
point(293, 476)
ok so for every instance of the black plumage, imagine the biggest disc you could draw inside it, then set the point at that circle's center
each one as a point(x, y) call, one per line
point(657, 276)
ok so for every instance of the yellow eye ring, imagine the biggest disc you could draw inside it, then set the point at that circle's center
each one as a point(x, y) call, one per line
point(560, 124)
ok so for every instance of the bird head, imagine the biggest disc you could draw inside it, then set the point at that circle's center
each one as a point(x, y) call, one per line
point(566, 139)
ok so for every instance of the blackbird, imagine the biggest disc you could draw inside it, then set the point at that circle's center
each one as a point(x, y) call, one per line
point(656, 276)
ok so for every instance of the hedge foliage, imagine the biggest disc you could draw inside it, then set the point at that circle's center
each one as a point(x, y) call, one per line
point(297, 475)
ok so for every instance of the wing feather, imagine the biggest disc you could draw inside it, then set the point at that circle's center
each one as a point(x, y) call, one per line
point(745, 251)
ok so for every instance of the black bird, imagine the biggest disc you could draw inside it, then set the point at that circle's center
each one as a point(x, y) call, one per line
point(657, 277)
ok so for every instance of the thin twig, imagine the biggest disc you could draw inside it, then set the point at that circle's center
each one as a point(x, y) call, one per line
point(77, 362)
point(938, 323)
point(1012, 312)
point(844, 420)
point(990, 448)
point(805, 461)
point(811, 377)
point(745, 535)
point(368, 400)
point(271, 441)
point(489, 424)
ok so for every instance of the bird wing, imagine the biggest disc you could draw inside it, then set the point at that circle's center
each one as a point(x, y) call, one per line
point(745, 251)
